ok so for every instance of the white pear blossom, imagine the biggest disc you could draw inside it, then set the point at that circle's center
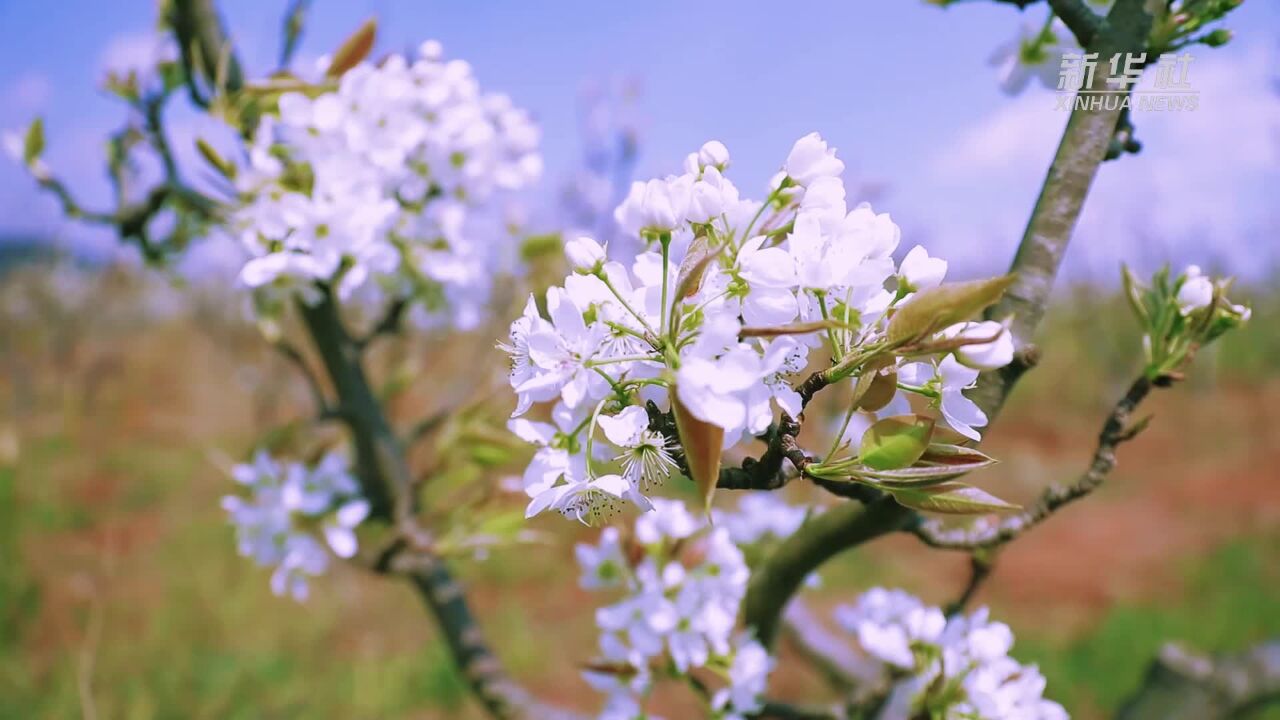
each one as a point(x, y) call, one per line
point(286, 501)
point(761, 515)
point(584, 254)
point(810, 159)
point(1196, 291)
point(707, 318)
point(958, 668)
point(656, 206)
point(918, 271)
point(398, 175)
point(683, 582)
point(646, 454)
point(985, 356)
point(712, 154)
point(947, 382)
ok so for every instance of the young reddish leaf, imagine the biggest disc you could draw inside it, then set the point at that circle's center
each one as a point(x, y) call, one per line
point(694, 266)
point(929, 311)
point(702, 442)
point(895, 442)
point(914, 476)
point(880, 390)
point(354, 49)
point(941, 453)
point(951, 498)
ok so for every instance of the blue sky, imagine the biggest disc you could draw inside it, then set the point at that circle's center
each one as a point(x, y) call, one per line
point(902, 88)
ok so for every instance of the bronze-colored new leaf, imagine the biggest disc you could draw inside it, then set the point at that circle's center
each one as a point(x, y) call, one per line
point(702, 442)
point(951, 498)
point(929, 311)
point(881, 387)
point(354, 49)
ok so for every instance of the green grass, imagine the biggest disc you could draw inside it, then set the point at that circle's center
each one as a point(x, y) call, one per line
point(1230, 601)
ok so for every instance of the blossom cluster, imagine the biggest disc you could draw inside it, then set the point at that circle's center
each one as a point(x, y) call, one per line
point(929, 665)
point(683, 582)
point(389, 176)
point(716, 318)
point(287, 504)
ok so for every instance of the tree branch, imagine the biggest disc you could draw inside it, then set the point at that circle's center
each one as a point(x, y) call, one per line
point(1116, 430)
point(1181, 685)
point(811, 638)
point(502, 698)
point(1080, 153)
point(294, 356)
point(785, 569)
point(1083, 22)
point(1083, 148)
point(980, 566)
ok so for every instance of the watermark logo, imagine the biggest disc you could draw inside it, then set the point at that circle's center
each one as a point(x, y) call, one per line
point(1170, 89)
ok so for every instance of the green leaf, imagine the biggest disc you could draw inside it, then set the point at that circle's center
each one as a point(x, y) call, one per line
point(1133, 293)
point(929, 311)
point(353, 49)
point(211, 156)
point(172, 76)
point(895, 442)
point(951, 498)
point(33, 145)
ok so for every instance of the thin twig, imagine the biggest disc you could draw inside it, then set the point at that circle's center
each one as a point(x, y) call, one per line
point(1116, 430)
point(389, 324)
point(981, 564)
point(322, 406)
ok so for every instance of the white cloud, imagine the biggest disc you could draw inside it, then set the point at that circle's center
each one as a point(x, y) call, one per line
point(1201, 191)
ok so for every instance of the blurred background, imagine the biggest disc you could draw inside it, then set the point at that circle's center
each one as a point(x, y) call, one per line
point(124, 392)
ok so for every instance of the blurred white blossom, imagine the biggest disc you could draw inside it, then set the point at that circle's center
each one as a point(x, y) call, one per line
point(951, 669)
point(395, 176)
point(287, 501)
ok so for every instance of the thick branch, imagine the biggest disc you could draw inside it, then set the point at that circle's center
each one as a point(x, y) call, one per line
point(832, 657)
point(1181, 685)
point(1082, 150)
point(785, 569)
point(502, 698)
point(1115, 431)
point(1083, 22)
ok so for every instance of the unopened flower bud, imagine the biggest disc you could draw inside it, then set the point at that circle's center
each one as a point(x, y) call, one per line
point(1196, 291)
point(921, 272)
point(585, 255)
point(714, 154)
point(989, 355)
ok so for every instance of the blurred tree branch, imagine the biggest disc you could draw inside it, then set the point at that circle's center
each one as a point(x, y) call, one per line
point(382, 465)
point(1035, 265)
point(1182, 685)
